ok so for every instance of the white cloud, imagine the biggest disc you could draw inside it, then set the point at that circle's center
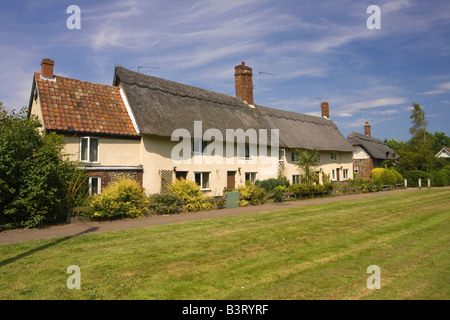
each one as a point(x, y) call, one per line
point(441, 88)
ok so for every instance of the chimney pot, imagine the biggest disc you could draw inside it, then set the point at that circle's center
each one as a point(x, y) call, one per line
point(367, 129)
point(47, 68)
point(325, 110)
point(243, 77)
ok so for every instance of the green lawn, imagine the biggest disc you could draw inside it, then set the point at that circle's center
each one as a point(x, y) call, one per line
point(314, 252)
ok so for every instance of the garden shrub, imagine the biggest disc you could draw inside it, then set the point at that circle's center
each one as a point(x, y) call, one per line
point(189, 193)
point(398, 176)
point(165, 203)
point(34, 176)
point(278, 193)
point(384, 176)
point(270, 184)
point(413, 177)
point(123, 198)
point(251, 195)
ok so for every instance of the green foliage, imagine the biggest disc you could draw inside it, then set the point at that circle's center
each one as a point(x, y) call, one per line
point(34, 178)
point(309, 190)
point(413, 177)
point(278, 193)
point(307, 161)
point(419, 122)
point(165, 203)
point(385, 176)
point(190, 194)
point(363, 185)
point(251, 195)
point(78, 189)
point(123, 198)
point(270, 184)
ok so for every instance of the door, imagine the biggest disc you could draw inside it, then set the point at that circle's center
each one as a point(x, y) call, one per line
point(337, 175)
point(231, 179)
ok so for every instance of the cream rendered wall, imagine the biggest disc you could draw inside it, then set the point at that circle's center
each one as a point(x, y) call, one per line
point(37, 111)
point(111, 151)
point(359, 153)
point(326, 165)
point(156, 156)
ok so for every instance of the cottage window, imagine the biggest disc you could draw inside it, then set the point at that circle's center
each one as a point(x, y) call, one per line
point(89, 149)
point(95, 186)
point(281, 154)
point(294, 156)
point(356, 169)
point(334, 156)
point(345, 174)
point(202, 179)
point(333, 175)
point(244, 151)
point(199, 146)
point(250, 176)
point(296, 179)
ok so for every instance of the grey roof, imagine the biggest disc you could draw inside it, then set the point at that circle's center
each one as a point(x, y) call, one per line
point(160, 106)
point(376, 148)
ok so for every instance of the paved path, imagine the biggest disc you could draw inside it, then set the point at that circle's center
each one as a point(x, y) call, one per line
point(79, 228)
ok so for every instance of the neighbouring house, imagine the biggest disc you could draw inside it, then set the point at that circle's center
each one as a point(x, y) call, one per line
point(158, 130)
point(368, 152)
point(443, 153)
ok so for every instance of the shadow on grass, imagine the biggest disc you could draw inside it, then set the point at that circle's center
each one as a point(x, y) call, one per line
point(48, 245)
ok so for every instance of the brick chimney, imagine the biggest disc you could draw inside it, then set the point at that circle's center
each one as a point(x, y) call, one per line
point(367, 129)
point(325, 110)
point(47, 68)
point(244, 83)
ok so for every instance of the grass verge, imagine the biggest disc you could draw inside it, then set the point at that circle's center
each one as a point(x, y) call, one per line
point(315, 252)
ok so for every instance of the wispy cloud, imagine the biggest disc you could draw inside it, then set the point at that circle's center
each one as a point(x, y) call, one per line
point(441, 88)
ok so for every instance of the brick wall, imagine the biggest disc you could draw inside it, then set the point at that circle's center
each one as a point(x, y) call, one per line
point(365, 167)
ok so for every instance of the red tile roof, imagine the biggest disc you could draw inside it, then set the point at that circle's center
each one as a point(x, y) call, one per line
point(83, 107)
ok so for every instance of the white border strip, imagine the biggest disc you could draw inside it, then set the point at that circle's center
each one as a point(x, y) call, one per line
point(130, 113)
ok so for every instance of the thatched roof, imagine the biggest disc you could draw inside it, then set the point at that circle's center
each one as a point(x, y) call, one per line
point(376, 148)
point(161, 106)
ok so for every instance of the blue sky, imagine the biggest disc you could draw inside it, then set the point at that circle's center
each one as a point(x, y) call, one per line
point(299, 51)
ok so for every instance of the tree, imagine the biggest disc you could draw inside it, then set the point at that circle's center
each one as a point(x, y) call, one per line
point(419, 127)
point(307, 160)
point(34, 178)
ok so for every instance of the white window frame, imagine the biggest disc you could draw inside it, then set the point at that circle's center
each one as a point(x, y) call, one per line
point(356, 169)
point(252, 176)
point(333, 174)
point(88, 151)
point(335, 158)
point(345, 174)
point(281, 154)
point(244, 151)
point(200, 144)
point(99, 184)
point(201, 173)
point(296, 179)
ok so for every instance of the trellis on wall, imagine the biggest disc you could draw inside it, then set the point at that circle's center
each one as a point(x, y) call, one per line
point(166, 180)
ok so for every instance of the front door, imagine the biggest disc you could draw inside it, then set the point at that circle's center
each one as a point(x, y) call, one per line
point(337, 175)
point(231, 179)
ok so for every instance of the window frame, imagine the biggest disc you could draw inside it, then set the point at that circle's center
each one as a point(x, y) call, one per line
point(202, 173)
point(345, 174)
point(252, 176)
point(296, 179)
point(88, 149)
point(244, 151)
point(99, 185)
point(335, 158)
point(201, 143)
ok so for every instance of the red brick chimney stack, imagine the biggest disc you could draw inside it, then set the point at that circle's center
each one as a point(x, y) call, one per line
point(367, 129)
point(47, 68)
point(243, 76)
point(325, 110)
